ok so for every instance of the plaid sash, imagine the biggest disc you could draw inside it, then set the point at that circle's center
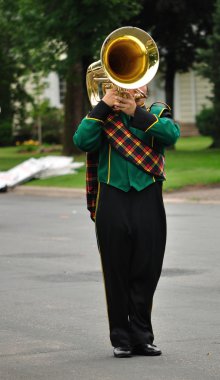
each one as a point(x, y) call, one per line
point(131, 148)
point(92, 161)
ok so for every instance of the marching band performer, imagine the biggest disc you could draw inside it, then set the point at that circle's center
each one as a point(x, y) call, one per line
point(126, 143)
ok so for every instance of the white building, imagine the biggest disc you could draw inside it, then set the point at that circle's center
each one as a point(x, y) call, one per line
point(191, 94)
point(52, 90)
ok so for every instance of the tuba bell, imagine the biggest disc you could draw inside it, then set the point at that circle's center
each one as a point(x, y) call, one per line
point(129, 59)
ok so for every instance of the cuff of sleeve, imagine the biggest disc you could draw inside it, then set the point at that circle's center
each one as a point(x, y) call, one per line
point(143, 120)
point(100, 111)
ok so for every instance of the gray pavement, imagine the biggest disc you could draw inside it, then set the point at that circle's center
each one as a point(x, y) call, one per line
point(191, 194)
point(53, 322)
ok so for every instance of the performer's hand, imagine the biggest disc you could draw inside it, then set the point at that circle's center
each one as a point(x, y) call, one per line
point(110, 97)
point(126, 105)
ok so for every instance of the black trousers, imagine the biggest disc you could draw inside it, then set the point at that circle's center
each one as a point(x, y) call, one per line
point(131, 235)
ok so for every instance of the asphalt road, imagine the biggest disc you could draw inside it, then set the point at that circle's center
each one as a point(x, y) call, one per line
point(53, 321)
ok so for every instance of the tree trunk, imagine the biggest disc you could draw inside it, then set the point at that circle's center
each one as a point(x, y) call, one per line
point(7, 110)
point(73, 107)
point(216, 143)
point(169, 83)
point(216, 105)
point(216, 129)
point(169, 88)
point(87, 60)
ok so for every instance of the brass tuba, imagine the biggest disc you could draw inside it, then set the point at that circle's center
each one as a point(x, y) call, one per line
point(129, 59)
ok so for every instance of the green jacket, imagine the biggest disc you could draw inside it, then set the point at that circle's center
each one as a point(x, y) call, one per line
point(153, 126)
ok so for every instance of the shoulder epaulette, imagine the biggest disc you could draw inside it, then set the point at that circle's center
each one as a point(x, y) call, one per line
point(163, 104)
point(158, 108)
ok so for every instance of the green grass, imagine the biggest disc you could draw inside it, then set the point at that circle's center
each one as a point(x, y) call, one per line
point(191, 163)
point(193, 143)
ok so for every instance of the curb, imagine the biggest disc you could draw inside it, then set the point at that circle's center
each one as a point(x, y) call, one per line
point(202, 195)
point(49, 191)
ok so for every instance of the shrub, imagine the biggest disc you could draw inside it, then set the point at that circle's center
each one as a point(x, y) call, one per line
point(24, 133)
point(52, 126)
point(205, 122)
point(27, 146)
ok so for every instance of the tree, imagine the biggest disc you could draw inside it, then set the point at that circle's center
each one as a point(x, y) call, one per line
point(12, 92)
point(210, 68)
point(179, 27)
point(66, 34)
point(7, 66)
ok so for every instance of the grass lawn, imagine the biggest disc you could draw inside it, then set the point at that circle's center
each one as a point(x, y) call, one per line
point(191, 163)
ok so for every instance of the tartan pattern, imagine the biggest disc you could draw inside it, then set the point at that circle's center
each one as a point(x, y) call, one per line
point(92, 160)
point(130, 147)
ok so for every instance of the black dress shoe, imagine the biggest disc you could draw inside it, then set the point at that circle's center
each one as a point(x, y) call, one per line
point(122, 352)
point(146, 350)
